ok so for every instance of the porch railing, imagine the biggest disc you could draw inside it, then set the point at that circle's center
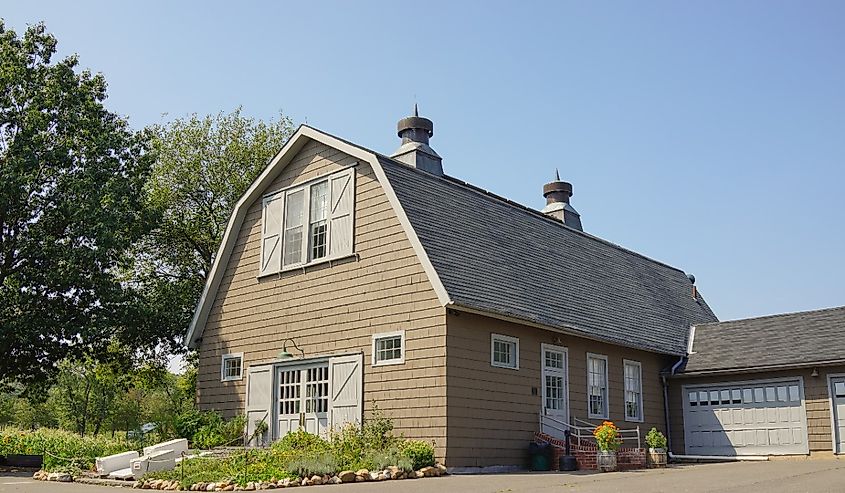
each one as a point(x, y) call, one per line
point(582, 431)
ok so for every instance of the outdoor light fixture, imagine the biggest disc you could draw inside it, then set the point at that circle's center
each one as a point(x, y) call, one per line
point(815, 372)
point(284, 355)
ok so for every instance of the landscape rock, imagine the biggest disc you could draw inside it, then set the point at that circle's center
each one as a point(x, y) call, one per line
point(419, 474)
point(347, 476)
point(442, 469)
point(61, 477)
point(211, 486)
point(250, 486)
point(427, 471)
point(316, 480)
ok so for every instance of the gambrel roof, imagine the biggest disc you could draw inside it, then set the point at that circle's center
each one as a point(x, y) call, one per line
point(495, 256)
point(485, 254)
point(809, 338)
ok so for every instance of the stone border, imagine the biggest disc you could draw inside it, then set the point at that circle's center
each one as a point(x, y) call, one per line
point(359, 476)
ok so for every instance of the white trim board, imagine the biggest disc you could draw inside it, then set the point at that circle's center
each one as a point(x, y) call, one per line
point(302, 136)
point(833, 427)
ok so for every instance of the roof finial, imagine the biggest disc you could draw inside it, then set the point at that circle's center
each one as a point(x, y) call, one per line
point(557, 175)
point(416, 110)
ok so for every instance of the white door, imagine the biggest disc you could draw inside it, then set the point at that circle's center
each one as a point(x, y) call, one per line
point(837, 393)
point(745, 418)
point(555, 389)
point(346, 402)
point(302, 398)
point(259, 402)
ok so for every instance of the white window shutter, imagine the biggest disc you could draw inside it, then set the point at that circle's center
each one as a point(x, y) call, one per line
point(346, 392)
point(259, 402)
point(342, 213)
point(271, 234)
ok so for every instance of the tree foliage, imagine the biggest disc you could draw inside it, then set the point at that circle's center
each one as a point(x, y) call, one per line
point(71, 204)
point(203, 166)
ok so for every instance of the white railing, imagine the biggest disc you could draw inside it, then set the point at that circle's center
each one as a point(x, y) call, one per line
point(582, 430)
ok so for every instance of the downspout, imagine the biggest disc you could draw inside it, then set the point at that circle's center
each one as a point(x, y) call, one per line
point(666, 400)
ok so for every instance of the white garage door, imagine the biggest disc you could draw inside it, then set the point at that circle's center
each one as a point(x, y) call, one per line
point(745, 418)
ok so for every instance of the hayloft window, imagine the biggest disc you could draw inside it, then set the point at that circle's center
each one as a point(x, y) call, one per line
point(319, 228)
point(504, 351)
point(231, 367)
point(597, 385)
point(293, 227)
point(389, 348)
point(633, 391)
point(308, 223)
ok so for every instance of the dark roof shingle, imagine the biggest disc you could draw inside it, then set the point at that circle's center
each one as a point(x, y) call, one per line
point(499, 257)
point(776, 340)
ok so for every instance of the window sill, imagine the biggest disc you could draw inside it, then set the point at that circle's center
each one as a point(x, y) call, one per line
point(506, 367)
point(390, 362)
point(232, 379)
point(304, 267)
point(634, 420)
point(596, 416)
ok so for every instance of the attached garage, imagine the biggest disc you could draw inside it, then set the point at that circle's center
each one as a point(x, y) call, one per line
point(758, 417)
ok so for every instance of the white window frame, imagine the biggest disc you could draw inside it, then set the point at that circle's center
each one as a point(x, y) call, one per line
point(230, 356)
point(606, 395)
point(639, 366)
point(386, 335)
point(305, 255)
point(507, 339)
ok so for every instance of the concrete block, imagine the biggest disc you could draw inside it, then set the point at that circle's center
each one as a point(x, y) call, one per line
point(111, 463)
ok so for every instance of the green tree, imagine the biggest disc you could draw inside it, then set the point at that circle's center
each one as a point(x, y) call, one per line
point(203, 165)
point(71, 204)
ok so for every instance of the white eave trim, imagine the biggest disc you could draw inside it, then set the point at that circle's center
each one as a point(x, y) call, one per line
point(691, 339)
point(302, 135)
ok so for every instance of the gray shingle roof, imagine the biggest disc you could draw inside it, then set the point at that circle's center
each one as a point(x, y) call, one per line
point(777, 340)
point(497, 256)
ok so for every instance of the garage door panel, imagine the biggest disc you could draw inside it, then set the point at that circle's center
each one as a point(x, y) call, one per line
point(754, 418)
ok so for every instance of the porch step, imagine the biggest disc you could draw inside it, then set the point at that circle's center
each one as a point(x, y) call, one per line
point(585, 454)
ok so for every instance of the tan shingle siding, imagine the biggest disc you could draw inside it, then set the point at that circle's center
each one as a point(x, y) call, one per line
point(335, 308)
point(492, 414)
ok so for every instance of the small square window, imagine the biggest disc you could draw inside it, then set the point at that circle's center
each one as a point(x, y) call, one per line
point(782, 393)
point(736, 396)
point(504, 351)
point(747, 396)
point(770, 394)
point(693, 398)
point(839, 389)
point(231, 367)
point(389, 348)
point(758, 394)
point(794, 396)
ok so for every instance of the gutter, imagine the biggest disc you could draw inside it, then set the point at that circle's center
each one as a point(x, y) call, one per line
point(666, 400)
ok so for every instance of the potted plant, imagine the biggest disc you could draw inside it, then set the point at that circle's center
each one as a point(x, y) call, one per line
point(656, 448)
point(608, 442)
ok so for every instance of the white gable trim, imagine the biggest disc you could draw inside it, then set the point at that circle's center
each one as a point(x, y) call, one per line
point(302, 136)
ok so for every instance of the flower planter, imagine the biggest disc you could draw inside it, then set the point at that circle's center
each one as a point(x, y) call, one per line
point(657, 457)
point(606, 461)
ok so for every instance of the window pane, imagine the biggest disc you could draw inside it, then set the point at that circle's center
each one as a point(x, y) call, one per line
point(389, 348)
point(318, 215)
point(782, 393)
point(793, 393)
point(693, 398)
point(597, 376)
point(839, 389)
point(702, 398)
point(293, 227)
point(504, 353)
point(726, 397)
point(770, 394)
point(736, 396)
point(714, 397)
point(747, 396)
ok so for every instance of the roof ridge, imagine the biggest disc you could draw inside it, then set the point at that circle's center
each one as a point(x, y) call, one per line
point(524, 208)
point(776, 315)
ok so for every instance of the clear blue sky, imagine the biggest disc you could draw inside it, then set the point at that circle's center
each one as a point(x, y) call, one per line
point(708, 135)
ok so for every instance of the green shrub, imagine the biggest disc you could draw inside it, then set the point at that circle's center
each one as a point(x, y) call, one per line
point(218, 433)
point(419, 452)
point(189, 423)
point(377, 459)
point(655, 439)
point(240, 468)
point(312, 463)
point(301, 441)
point(62, 450)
